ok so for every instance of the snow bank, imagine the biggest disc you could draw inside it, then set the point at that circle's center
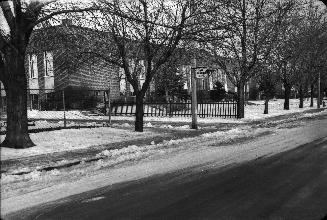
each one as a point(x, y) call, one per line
point(133, 152)
point(34, 175)
point(311, 115)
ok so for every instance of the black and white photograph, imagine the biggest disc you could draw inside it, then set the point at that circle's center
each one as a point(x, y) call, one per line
point(163, 109)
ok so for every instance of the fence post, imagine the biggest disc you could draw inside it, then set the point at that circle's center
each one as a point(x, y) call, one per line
point(170, 113)
point(318, 97)
point(64, 106)
point(109, 106)
point(1, 105)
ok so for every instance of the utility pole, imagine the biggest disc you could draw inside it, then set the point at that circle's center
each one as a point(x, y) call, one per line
point(318, 98)
point(194, 107)
point(194, 104)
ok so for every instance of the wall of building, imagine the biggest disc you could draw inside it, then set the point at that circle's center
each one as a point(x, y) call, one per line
point(97, 76)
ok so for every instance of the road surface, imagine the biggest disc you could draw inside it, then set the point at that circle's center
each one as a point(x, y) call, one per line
point(288, 185)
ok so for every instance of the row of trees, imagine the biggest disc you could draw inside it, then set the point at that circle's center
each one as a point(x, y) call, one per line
point(252, 34)
point(298, 57)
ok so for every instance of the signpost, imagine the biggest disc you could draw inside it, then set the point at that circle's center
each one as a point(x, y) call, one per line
point(196, 73)
point(201, 72)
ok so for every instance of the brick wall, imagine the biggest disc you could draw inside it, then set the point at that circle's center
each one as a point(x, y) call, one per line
point(97, 76)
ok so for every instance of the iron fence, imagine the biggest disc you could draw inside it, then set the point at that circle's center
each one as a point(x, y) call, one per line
point(227, 109)
point(71, 105)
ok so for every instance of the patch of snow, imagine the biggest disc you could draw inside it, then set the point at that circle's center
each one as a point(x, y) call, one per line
point(126, 125)
point(167, 126)
point(148, 125)
point(183, 127)
point(21, 170)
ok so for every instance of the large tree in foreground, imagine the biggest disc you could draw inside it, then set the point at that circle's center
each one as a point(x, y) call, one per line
point(18, 19)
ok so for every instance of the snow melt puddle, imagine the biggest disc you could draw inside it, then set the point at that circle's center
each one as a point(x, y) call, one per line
point(93, 199)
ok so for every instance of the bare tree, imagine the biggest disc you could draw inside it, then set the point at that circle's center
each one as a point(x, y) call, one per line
point(140, 37)
point(19, 18)
point(267, 79)
point(300, 50)
point(254, 26)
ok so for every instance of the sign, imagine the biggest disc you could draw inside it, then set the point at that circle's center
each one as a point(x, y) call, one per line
point(202, 72)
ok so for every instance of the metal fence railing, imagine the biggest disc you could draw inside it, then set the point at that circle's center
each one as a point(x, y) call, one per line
point(227, 109)
point(68, 107)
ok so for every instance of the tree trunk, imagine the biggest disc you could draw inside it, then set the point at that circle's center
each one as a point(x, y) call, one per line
point(321, 95)
point(240, 100)
point(166, 95)
point(301, 96)
point(16, 91)
point(266, 106)
point(139, 112)
point(311, 95)
point(287, 94)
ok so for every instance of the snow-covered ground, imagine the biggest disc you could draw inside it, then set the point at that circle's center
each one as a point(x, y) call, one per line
point(207, 151)
point(276, 107)
point(154, 158)
point(35, 114)
point(72, 139)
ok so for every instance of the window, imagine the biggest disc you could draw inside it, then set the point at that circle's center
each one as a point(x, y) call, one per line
point(32, 66)
point(34, 101)
point(48, 63)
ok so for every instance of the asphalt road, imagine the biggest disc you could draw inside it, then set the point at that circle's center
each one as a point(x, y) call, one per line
point(289, 185)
